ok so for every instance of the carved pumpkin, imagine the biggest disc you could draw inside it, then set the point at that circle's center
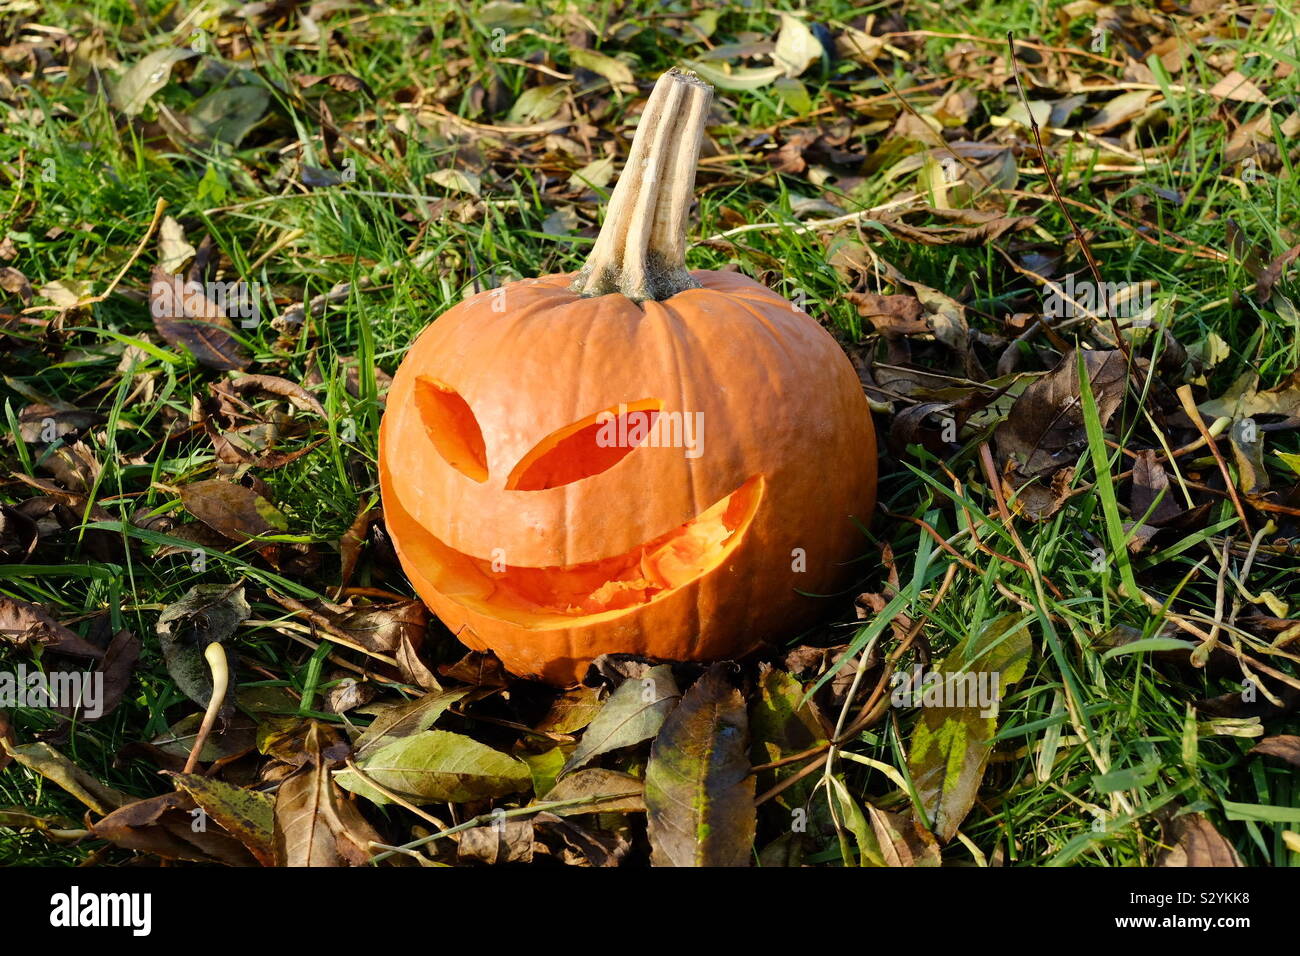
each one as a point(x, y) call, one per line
point(638, 459)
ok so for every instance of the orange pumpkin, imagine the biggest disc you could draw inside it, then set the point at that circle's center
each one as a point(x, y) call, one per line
point(638, 459)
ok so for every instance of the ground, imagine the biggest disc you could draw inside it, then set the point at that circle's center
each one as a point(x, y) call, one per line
point(363, 167)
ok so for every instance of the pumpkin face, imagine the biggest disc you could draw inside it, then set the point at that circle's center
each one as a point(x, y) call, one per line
point(567, 475)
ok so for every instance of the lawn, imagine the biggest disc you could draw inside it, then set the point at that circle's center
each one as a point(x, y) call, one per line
point(1066, 278)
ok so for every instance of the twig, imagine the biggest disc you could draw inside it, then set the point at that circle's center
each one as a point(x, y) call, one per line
point(1184, 393)
point(144, 240)
point(1051, 181)
point(800, 227)
point(395, 797)
point(868, 714)
point(491, 817)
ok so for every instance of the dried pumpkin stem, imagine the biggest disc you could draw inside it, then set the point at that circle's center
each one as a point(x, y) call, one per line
point(641, 249)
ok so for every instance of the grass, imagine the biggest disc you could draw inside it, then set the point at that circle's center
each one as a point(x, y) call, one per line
point(1089, 747)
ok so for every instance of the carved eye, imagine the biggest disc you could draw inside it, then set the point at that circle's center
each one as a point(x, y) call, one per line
point(452, 427)
point(585, 448)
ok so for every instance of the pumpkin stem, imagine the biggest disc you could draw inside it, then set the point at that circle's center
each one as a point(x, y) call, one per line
point(641, 249)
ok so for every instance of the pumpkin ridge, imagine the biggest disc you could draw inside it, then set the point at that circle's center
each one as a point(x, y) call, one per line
point(676, 336)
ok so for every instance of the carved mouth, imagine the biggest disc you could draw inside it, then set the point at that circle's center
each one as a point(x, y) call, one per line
point(559, 595)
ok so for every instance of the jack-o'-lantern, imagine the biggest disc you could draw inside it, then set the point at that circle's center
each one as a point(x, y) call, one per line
point(639, 459)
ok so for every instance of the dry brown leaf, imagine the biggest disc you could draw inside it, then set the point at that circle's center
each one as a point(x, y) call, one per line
point(1283, 746)
point(1195, 842)
point(891, 314)
point(190, 319)
point(902, 839)
point(232, 510)
point(1151, 482)
point(315, 823)
point(23, 625)
point(510, 841)
point(167, 826)
point(1044, 430)
point(1237, 87)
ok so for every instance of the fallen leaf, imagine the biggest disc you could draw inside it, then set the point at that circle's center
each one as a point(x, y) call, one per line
point(983, 228)
point(382, 628)
point(19, 534)
point(508, 13)
point(232, 510)
point(13, 281)
point(166, 826)
point(1192, 840)
point(616, 71)
point(1237, 87)
point(1119, 110)
point(298, 741)
point(1244, 399)
point(902, 839)
point(315, 824)
point(538, 103)
point(579, 846)
point(207, 613)
point(953, 737)
point(744, 79)
point(354, 540)
point(25, 625)
point(146, 77)
point(457, 181)
point(247, 815)
point(173, 251)
point(609, 791)
point(394, 721)
point(633, 713)
point(699, 793)
point(852, 821)
point(782, 724)
point(544, 767)
point(510, 841)
point(891, 314)
point(68, 293)
point(571, 711)
point(117, 667)
point(295, 394)
point(185, 316)
point(227, 113)
point(413, 670)
point(1044, 431)
point(75, 466)
point(797, 47)
point(343, 82)
point(1283, 746)
point(170, 749)
point(1151, 484)
point(43, 424)
point(597, 174)
point(348, 694)
point(1270, 275)
point(436, 766)
point(53, 766)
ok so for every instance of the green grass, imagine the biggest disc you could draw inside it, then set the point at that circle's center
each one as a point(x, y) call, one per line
point(1118, 727)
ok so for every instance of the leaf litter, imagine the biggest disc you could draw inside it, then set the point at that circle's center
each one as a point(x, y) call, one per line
point(701, 768)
